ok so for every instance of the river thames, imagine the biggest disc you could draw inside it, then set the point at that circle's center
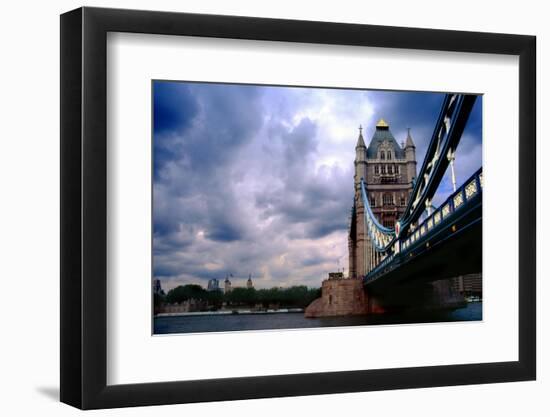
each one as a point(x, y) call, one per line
point(236, 322)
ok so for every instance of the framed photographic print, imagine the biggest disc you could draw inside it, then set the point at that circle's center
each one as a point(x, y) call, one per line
point(258, 207)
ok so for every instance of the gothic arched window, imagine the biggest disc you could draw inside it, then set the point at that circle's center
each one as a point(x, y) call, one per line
point(372, 202)
point(387, 199)
point(382, 155)
point(389, 155)
point(376, 169)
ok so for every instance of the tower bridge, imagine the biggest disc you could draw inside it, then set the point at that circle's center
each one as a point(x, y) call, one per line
point(402, 250)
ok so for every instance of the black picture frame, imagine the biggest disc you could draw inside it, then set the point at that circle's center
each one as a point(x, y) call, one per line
point(84, 207)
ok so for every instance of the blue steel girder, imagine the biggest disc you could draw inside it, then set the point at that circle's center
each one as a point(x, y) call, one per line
point(451, 122)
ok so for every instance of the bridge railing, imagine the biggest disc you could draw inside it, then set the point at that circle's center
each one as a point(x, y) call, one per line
point(457, 201)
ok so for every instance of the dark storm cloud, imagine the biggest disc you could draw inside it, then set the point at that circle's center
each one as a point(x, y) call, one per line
point(218, 122)
point(174, 109)
point(174, 106)
point(319, 202)
point(191, 173)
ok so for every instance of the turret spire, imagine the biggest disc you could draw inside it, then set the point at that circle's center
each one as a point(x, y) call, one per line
point(409, 142)
point(360, 140)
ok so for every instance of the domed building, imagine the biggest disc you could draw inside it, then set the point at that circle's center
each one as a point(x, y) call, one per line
point(389, 172)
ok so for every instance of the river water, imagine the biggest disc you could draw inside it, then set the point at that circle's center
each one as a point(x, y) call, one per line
point(226, 323)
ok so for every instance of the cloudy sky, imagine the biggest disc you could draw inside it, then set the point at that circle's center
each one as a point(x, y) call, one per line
point(259, 180)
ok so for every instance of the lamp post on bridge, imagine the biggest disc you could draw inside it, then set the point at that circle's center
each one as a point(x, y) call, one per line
point(451, 158)
point(428, 203)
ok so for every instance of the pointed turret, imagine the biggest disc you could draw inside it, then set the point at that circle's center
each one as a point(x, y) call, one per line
point(360, 140)
point(409, 141)
point(410, 156)
point(360, 158)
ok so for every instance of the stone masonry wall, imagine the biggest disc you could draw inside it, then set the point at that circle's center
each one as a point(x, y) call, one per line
point(340, 297)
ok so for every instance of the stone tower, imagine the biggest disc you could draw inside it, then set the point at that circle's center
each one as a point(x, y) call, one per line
point(389, 171)
point(357, 244)
point(249, 283)
point(227, 285)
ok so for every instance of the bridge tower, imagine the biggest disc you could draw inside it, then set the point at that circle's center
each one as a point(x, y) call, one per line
point(388, 170)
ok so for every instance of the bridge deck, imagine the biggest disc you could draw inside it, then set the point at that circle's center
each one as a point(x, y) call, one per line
point(452, 248)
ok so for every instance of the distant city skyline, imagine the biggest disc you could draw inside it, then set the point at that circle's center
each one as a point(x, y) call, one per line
point(259, 180)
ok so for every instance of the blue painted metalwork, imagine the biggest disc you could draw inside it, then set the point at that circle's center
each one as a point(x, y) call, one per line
point(467, 196)
point(447, 134)
point(448, 131)
point(379, 234)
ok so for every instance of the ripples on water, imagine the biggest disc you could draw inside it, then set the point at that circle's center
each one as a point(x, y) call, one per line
point(225, 323)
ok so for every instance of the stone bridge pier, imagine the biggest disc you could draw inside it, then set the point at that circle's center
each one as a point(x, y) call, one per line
point(347, 297)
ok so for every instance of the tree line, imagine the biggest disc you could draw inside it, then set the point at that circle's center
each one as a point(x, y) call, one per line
point(298, 296)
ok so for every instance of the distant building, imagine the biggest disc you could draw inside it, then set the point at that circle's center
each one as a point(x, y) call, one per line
point(249, 282)
point(213, 285)
point(227, 285)
point(157, 288)
point(470, 284)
